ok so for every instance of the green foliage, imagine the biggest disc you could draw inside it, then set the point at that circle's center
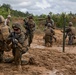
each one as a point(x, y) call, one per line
point(58, 19)
point(6, 9)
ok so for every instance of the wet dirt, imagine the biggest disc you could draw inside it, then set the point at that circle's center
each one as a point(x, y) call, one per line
point(44, 60)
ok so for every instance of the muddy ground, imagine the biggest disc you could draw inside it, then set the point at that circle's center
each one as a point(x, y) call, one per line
point(44, 60)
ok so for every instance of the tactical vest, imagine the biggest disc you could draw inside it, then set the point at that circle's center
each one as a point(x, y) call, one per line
point(49, 21)
point(19, 37)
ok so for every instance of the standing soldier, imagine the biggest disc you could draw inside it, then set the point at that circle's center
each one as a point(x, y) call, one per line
point(17, 37)
point(30, 28)
point(7, 21)
point(49, 20)
point(70, 31)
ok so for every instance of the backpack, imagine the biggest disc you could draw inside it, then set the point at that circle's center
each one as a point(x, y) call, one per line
point(49, 32)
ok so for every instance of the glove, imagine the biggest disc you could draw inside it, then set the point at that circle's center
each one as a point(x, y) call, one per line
point(15, 41)
point(24, 50)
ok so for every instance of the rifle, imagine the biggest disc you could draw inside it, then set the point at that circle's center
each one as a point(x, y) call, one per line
point(15, 42)
point(18, 48)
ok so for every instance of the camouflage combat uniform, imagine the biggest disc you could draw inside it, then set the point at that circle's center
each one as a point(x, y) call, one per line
point(49, 33)
point(49, 20)
point(19, 38)
point(30, 28)
point(70, 32)
point(1, 39)
point(7, 21)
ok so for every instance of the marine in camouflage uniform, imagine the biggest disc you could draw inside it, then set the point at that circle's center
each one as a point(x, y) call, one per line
point(49, 34)
point(7, 20)
point(49, 20)
point(20, 39)
point(70, 32)
point(30, 28)
point(1, 39)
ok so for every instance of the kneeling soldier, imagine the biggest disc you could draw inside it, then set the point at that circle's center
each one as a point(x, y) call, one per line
point(70, 32)
point(18, 39)
point(49, 32)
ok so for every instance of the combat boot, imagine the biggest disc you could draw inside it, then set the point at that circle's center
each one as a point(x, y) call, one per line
point(9, 60)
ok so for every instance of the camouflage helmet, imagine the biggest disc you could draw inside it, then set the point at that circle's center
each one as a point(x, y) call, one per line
point(49, 25)
point(16, 25)
point(70, 24)
point(48, 16)
point(9, 16)
point(31, 17)
point(1, 19)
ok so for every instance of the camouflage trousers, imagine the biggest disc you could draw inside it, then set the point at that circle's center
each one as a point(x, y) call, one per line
point(70, 39)
point(48, 40)
point(17, 54)
point(30, 36)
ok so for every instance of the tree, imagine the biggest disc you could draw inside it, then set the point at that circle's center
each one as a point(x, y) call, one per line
point(7, 6)
point(50, 13)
